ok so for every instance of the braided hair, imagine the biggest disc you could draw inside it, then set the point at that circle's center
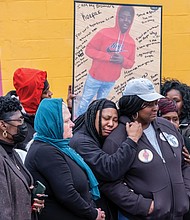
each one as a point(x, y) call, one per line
point(8, 106)
point(129, 105)
point(88, 118)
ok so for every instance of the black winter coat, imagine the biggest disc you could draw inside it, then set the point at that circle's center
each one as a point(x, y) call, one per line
point(66, 184)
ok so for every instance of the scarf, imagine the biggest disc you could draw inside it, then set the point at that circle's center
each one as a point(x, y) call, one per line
point(49, 126)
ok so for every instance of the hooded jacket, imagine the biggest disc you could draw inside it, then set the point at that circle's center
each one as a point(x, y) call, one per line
point(101, 48)
point(165, 180)
point(29, 85)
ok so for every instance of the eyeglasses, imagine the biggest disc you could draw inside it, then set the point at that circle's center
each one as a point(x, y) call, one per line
point(21, 120)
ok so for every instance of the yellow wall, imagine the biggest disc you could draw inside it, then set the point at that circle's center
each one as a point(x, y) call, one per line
point(39, 34)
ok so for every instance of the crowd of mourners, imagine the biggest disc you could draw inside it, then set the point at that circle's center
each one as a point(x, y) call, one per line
point(128, 161)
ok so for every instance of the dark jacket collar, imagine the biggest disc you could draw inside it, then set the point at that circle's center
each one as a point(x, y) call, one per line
point(123, 119)
point(12, 166)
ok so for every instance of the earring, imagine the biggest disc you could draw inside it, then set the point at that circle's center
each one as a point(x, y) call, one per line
point(135, 116)
point(5, 134)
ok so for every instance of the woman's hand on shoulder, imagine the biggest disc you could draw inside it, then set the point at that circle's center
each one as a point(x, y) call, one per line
point(101, 214)
point(134, 130)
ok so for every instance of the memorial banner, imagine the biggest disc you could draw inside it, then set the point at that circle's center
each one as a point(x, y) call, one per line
point(114, 43)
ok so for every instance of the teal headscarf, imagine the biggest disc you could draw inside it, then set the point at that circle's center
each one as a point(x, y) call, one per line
point(48, 125)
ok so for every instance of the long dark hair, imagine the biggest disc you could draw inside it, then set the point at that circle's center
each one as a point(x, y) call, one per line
point(89, 117)
point(184, 89)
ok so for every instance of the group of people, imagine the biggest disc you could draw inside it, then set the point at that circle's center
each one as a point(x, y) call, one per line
point(113, 163)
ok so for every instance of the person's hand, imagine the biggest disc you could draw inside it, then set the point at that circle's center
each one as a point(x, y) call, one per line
point(38, 204)
point(134, 130)
point(151, 209)
point(70, 97)
point(101, 214)
point(117, 58)
point(186, 154)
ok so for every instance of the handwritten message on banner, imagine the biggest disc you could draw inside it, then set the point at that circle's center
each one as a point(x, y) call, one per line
point(112, 44)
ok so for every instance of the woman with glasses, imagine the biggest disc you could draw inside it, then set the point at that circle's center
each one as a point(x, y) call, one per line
point(15, 180)
point(157, 185)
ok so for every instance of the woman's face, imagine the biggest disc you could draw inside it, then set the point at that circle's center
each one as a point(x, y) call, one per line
point(148, 113)
point(177, 97)
point(173, 118)
point(109, 121)
point(68, 124)
point(10, 125)
point(47, 93)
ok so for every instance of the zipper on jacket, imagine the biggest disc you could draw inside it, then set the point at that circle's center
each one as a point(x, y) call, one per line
point(172, 194)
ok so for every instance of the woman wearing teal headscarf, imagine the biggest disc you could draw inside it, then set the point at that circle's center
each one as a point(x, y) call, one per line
point(67, 178)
